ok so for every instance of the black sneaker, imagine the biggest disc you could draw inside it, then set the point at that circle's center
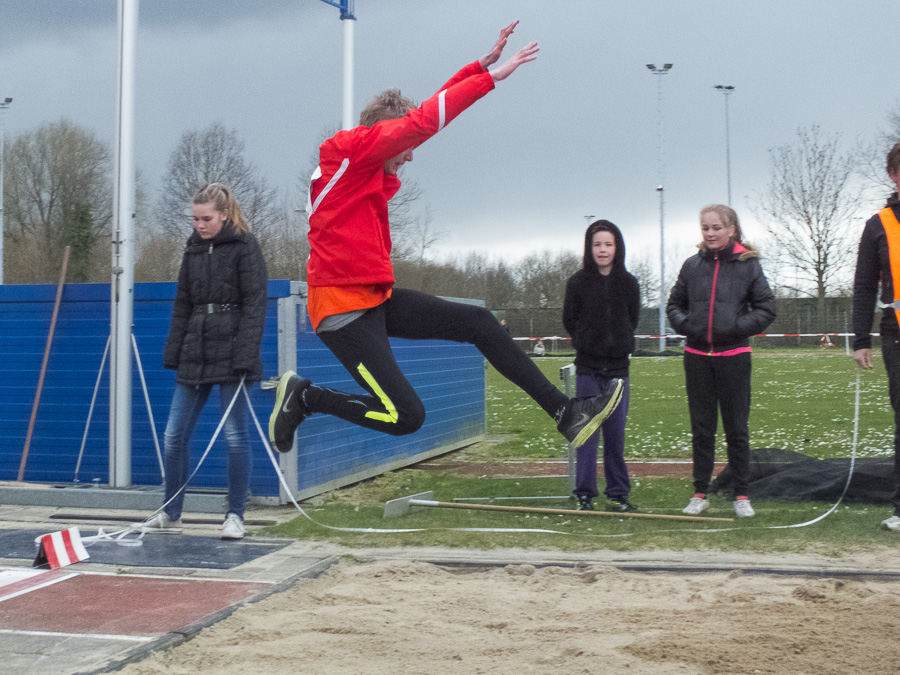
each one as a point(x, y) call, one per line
point(289, 411)
point(622, 505)
point(585, 503)
point(581, 418)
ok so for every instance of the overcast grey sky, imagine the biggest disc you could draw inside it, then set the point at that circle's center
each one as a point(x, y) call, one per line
point(572, 134)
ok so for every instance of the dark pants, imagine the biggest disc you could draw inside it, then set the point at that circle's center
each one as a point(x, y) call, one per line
point(890, 350)
point(392, 406)
point(714, 384)
point(617, 484)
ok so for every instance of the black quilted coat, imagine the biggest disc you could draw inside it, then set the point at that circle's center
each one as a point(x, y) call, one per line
point(721, 299)
point(215, 348)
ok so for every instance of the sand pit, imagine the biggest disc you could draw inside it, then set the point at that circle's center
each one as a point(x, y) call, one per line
point(388, 617)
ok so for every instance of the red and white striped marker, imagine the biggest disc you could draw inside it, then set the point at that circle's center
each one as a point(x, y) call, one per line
point(59, 549)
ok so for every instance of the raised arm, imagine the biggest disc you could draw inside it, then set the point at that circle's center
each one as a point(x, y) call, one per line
point(493, 56)
point(524, 55)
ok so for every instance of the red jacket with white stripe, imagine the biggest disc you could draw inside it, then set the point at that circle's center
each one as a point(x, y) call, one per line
point(349, 233)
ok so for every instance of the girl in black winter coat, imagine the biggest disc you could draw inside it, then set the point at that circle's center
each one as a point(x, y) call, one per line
point(217, 325)
point(721, 299)
point(601, 310)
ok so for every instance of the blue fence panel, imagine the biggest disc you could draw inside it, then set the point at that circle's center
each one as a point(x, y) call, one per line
point(449, 378)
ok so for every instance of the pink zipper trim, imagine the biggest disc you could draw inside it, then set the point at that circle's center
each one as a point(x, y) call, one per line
point(730, 352)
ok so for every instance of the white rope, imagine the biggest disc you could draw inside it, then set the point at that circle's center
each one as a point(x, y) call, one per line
point(849, 474)
point(118, 535)
point(840, 499)
point(366, 530)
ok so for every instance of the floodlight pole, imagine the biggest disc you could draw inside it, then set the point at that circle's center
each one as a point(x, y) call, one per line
point(727, 90)
point(662, 247)
point(347, 16)
point(122, 281)
point(4, 104)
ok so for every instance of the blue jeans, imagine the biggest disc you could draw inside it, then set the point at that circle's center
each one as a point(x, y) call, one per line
point(617, 484)
point(183, 413)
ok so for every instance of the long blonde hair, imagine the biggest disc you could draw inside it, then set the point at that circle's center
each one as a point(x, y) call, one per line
point(224, 202)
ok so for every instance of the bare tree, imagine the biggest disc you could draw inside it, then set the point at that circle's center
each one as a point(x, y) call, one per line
point(542, 277)
point(57, 188)
point(214, 155)
point(871, 157)
point(646, 270)
point(807, 212)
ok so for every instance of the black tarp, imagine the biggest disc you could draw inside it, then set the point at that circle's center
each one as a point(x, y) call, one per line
point(794, 477)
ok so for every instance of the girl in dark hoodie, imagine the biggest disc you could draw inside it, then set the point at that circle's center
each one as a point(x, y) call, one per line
point(601, 312)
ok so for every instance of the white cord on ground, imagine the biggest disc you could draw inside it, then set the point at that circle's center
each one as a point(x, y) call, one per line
point(366, 530)
point(118, 536)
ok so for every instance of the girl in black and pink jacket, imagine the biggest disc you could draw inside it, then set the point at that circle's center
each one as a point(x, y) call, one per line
point(721, 299)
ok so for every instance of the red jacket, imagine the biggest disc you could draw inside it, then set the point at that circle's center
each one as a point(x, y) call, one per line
point(349, 232)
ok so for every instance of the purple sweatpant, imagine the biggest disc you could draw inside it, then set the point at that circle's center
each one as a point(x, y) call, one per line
point(617, 484)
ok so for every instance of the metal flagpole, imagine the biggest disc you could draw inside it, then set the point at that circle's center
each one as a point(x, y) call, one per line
point(347, 16)
point(122, 282)
point(660, 189)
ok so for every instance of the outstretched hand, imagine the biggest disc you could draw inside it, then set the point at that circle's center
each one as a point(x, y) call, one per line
point(526, 54)
point(493, 56)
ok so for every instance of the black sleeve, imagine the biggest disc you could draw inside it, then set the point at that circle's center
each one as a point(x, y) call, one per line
point(762, 305)
point(677, 306)
point(865, 285)
point(254, 279)
point(634, 302)
point(570, 308)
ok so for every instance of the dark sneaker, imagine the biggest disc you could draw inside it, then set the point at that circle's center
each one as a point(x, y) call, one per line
point(581, 418)
point(585, 503)
point(289, 411)
point(622, 505)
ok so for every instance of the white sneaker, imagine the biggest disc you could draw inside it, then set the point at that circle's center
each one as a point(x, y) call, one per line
point(696, 506)
point(892, 523)
point(233, 528)
point(160, 524)
point(743, 509)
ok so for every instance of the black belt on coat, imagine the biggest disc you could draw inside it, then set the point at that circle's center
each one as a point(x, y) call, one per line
point(214, 308)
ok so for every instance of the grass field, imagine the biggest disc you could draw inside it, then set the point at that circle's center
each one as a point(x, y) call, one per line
point(802, 401)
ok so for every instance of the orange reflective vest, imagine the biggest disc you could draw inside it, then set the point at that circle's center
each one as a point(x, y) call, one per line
point(892, 229)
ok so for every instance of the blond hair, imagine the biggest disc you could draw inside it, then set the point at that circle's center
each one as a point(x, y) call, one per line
point(224, 202)
point(388, 105)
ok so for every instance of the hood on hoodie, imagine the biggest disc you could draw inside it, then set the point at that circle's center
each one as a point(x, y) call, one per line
point(603, 226)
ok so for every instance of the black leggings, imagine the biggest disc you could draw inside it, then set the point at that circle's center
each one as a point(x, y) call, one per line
point(719, 384)
point(392, 406)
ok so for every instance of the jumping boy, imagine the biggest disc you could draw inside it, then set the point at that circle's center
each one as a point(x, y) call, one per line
point(352, 303)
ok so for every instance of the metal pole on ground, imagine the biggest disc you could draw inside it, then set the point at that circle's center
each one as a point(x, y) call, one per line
point(396, 507)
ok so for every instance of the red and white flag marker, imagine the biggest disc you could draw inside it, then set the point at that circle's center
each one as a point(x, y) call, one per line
point(59, 549)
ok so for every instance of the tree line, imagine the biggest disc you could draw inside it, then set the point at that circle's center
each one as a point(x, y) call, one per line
point(58, 192)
